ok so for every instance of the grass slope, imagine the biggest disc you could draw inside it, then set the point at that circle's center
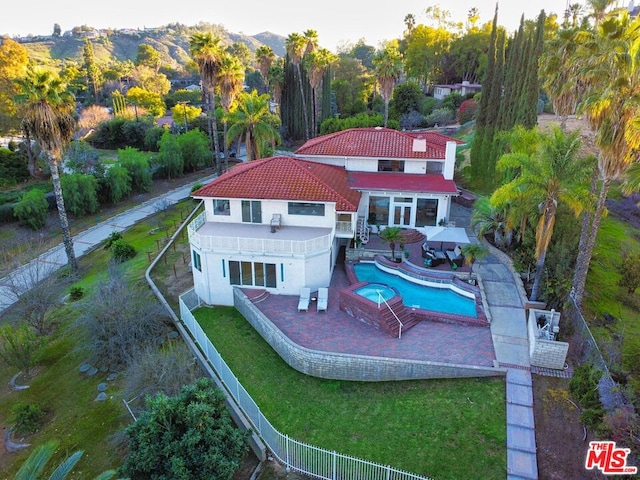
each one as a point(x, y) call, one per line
point(446, 429)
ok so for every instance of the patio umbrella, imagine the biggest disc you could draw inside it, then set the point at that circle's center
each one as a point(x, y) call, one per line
point(448, 234)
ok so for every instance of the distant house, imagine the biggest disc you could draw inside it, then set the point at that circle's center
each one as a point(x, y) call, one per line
point(464, 88)
point(633, 10)
point(279, 223)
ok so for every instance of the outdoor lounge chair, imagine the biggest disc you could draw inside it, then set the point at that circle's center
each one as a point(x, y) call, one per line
point(276, 222)
point(323, 299)
point(432, 258)
point(455, 256)
point(305, 297)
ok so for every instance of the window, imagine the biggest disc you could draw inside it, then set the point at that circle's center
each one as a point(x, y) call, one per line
point(197, 263)
point(391, 165)
point(252, 274)
point(300, 208)
point(221, 207)
point(251, 211)
point(379, 210)
point(434, 167)
point(427, 212)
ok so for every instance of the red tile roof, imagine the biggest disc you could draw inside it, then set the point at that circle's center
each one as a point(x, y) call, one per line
point(376, 142)
point(404, 182)
point(285, 178)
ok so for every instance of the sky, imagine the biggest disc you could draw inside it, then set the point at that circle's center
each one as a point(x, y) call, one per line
point(336, 21)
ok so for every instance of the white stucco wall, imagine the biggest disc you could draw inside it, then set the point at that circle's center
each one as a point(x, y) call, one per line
point(269, 207)
point(214, 287)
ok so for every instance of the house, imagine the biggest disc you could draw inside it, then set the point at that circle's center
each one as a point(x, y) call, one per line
point(279, 223)
point(442, 91)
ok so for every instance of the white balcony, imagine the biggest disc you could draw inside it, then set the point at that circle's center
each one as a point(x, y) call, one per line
point(254, 238)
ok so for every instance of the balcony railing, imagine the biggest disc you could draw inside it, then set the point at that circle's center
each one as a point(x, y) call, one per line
point(236, 244)
point(344, 229)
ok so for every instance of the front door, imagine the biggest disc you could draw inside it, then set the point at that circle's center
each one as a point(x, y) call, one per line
point(402, 213)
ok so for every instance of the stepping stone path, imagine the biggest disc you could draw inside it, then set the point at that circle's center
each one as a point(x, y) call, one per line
point(112, 377)
point(101, 397)
point(92, 371)
point(173, 335)
point(85, 367)
point(102, 387)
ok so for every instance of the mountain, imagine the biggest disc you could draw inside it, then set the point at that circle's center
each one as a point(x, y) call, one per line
point(172, 41)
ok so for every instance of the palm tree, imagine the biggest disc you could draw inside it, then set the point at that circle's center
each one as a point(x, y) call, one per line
point(207, 53)
point(486, 218)
point(599, 9)
point(392, 235)
point(48, 119)
point(388, 67)
point(231, 80)
point(34, 465)
point(296, 45)
point(276, 79)
point(559, 73)
point(553, 174)
point(609, 59)
point(253, 119)
point(311, 37)
point(318, 62)
point(265, 57)
point(473, 252)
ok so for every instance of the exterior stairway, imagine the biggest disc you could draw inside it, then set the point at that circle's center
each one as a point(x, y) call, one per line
point(362, 231)
point(389, 322)
point(410, 235)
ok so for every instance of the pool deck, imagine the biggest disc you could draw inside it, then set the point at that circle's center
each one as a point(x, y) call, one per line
point(336, 331)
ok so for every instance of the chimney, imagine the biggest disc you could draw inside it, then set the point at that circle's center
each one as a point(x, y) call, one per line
point(419, 145)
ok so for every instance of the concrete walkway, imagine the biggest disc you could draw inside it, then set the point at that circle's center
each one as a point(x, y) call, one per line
point(505, 298)
point(510, 341)
point(51, 261)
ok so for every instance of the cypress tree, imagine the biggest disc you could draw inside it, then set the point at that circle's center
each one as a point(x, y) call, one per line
point(531, 90)
point(478, 148)
point(291, 113)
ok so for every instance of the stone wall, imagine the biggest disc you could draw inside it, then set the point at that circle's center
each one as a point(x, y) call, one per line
point(337, 366)
point(542, 352)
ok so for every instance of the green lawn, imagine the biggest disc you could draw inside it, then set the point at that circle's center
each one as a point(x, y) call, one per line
point(446, 429)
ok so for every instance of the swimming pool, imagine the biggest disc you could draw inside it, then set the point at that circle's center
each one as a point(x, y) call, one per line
point(444, 300)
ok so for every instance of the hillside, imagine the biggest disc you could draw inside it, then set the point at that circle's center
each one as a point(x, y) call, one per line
point(171, 41)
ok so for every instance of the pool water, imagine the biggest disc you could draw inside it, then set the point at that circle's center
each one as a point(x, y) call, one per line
point(373, 291)
point(424, 297)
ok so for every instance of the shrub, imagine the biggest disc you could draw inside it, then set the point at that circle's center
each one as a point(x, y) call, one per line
point(80, 193)
point(13, 168)
point(137, 165)
point(113, 236)
point(6, 213)
point(27, 418)
point(121, 251)
point(190, 435)
point(630, 271)
point(169, 159)
point(76, 293)
point(118, 182)
point(32, 209)
point(584, 389)
point(80, 157)
point(119, 320)
point(467, 111)
point(440, 116)
point(194, 146)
